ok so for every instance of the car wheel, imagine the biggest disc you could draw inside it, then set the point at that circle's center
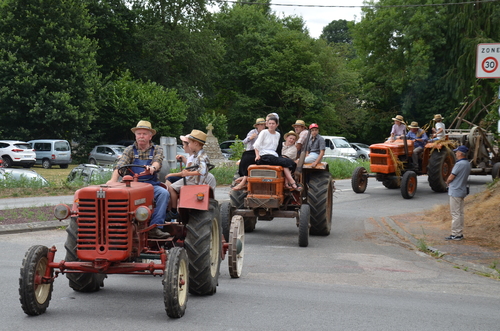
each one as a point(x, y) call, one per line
point(46, 164)
point(7, 162)
point(92, 161)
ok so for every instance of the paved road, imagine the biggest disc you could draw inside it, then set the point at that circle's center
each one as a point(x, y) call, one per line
point(356, 278)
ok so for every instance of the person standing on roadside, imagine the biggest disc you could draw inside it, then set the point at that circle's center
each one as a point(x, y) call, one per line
point(457, 190)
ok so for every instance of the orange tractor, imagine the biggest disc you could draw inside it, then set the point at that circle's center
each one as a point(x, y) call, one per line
point(108, 234)
point(391, 164)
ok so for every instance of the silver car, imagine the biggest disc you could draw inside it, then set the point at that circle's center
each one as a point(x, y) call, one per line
point(362, 151)
point(90, 174)
point(10, 177)
point(106, 154)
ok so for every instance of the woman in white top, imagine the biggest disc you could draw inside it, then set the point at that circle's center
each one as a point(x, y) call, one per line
point(265, 152)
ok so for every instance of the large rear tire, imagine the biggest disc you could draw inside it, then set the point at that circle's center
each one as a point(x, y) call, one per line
point(33, 294)
point(409, 184)
point(80, 282)
point(495, 171)
point(225, 219)
point(304, 218)
point(441, 163)
point(359, 180)
point(203, 244)
point(319, 198)
point(176, 282)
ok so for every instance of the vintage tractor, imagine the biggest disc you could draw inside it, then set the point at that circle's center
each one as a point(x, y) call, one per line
point(391, 164)
point(108, 234)
point(267, 197)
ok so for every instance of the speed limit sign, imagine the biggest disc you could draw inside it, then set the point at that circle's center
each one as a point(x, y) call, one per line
point(487, 61)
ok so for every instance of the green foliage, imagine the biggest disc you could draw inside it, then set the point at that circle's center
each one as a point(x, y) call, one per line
point(218, 121)
point(237, 148)
point(337, 32)
point(8, 181)
point(48, 72)
point(224, 173)
point(341, 169)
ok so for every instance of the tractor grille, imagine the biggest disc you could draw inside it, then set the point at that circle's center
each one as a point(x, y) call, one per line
point(263, 173)
point(103, 225)
point(377, 151)
point(378, 160)
point(263, 188)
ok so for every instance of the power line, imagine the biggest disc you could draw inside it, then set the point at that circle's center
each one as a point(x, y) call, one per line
point(364, 6)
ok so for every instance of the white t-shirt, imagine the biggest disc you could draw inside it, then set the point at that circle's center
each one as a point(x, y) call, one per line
point(440, 125)
point(267, 143)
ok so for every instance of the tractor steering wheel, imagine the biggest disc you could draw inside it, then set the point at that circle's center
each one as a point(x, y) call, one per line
point(127, 169)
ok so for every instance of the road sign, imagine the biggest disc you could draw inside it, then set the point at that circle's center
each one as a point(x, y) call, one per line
point(488, 60)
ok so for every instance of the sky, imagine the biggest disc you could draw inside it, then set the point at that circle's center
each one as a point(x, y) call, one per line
point(317, 18)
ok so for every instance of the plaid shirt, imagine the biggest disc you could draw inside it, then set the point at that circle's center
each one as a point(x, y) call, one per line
point(200, 159)
point(128, 155)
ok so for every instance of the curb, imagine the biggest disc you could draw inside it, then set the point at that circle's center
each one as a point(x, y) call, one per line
point(398, 231)
point(34, 226)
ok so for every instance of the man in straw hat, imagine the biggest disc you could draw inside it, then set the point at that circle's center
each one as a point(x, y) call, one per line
point(457, 190)
point(144, 153)
point(419, 138)
point(399, 127)
point(260, 124)
point(439, 127)
point(300, 129)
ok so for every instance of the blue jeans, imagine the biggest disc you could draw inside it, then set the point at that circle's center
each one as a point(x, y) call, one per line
point(162, 196)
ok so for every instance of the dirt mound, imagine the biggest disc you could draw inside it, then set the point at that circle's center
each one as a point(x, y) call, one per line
point(482, 221)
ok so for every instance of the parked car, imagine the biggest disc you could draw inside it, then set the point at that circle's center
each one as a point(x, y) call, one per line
point(340, 158)
point(338, 146)
point(225, 146)
point(180, 151)
point(10, 177)
point(15, 152)
point(52, 151)
point(106, 154)
point(90, 174)
point(362, 150)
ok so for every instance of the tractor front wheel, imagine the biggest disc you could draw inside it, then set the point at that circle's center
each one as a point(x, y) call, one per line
point(34, 293)
point(204, 245)
point(409, 184)
point(236, 250)
point(80, 282)
point(359, 180)
point(176, 282)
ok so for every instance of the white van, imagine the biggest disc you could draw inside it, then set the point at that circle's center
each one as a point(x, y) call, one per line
point(338, 146)
point(52, 151)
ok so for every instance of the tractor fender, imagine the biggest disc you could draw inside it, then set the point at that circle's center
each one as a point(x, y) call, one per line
point(195, 197)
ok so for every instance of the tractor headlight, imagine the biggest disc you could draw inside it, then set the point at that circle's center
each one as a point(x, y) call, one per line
point(62, 212)
point(142, 213)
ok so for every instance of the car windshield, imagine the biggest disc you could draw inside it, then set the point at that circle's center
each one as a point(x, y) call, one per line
point(363, 146)
point(341, 143)
point(119, 150)
point(61, 146)
point(23, 146)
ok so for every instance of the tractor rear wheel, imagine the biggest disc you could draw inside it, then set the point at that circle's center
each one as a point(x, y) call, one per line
point(304, 218)
point(441, 163)
point(204, 244)
point(495, 171)
point(319, 198)
point(359, 180)
point(225, 219)
point(409, 184)
point(236, 249)
point(176, 282)
point(33, 294)
point(237, 199)
point(80, 282)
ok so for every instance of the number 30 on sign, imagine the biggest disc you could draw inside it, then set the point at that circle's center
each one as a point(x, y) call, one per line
point(487, 60)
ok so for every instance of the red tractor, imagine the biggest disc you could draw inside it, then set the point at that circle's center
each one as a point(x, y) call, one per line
point(390, 163)
point(108, 234)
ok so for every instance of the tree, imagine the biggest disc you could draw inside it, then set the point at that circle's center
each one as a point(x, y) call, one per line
point(48, 72)
point(337, 32)
point(419, 61)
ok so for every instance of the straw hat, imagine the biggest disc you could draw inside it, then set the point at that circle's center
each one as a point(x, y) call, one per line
point(144, 125)
point(299, 123)
point(398, 118)
point(198, 136)
point(259, 121)
point(291, 133)
point(414, 125)
point(438, 117)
